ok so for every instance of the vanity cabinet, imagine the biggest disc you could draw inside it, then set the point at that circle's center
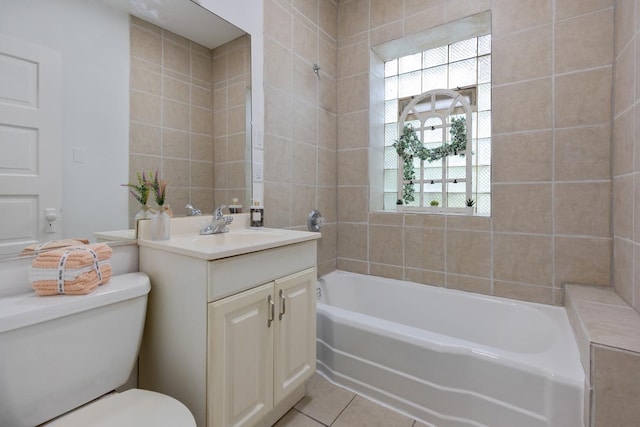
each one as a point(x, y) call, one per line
point(231, 338)
point(259, 348)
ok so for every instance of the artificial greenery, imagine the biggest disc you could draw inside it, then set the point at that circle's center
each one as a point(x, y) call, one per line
point(409, 147)
point(140, 191)
point(159, 187)
point(434, 203)
point(143, 188)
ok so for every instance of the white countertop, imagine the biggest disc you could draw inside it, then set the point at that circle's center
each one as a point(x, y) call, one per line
point(115, 235)
point(186, 240)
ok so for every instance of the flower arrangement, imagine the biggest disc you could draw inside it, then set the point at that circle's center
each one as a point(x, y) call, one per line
point(159, 187)
point(140, 191)
point(146, 185)
point(160, 218)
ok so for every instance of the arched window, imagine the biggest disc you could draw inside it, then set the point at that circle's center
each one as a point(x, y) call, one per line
point(463, 67)
point(434, 128)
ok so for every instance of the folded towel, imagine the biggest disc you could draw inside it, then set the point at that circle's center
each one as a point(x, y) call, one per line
point(76, 258)
point(73, 270)
point(36, 248)
point(82, 284)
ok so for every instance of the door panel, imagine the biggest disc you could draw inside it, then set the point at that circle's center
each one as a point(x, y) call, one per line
point(30, 157)
point(240, 385)
point(296, 331)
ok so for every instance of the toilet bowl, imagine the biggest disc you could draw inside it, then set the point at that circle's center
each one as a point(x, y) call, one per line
point(63, 356)
point(132, 408)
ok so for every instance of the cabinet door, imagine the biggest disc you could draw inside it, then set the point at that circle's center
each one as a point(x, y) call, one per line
point(295, 355)
point(240, 369)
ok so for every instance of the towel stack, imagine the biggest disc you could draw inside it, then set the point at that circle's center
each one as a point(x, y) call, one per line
point(35, 249)
point(74, 270)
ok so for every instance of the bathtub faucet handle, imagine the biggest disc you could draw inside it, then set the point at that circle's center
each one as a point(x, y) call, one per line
point(315, 221)
point(192, 210)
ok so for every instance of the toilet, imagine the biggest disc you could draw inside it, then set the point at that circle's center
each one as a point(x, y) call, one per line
point(62, 357)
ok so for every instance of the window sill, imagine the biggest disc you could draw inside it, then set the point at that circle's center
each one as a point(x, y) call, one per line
point(468, 211)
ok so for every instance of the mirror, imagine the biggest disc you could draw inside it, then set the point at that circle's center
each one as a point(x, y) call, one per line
point(141, 93)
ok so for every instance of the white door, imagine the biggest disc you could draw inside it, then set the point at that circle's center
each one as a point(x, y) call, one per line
point(295, 359)
point(30, 157)
point(240, 370)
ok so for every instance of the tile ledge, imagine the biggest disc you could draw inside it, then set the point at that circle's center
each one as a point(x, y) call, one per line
point(594, 294)
point(600, 313)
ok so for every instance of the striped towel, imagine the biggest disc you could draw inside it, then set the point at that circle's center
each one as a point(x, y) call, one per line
point(35, 249)
point(75, 270)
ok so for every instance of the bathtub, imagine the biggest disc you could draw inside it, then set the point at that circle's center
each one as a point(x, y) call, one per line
point(449, 358)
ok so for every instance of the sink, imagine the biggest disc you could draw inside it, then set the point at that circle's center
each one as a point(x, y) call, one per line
point(234, 237)
point(239, 240)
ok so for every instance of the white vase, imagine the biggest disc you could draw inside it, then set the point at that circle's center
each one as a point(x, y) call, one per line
point(144, 213)
point(161, 225)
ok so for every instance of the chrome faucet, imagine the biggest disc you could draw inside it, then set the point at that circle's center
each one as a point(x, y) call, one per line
point(219, 222)
point(192, 210)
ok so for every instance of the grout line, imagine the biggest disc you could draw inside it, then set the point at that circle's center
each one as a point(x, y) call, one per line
point(634, 189)
point(309, 416)
point(344, 409)
point(553, 152)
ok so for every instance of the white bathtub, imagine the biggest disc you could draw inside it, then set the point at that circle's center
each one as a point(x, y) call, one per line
point(449, 358)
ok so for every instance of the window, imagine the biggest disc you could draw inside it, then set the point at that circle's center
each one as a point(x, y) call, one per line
point(465, 67)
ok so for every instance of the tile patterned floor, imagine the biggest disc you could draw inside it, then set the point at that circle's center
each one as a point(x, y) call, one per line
point(326, 405)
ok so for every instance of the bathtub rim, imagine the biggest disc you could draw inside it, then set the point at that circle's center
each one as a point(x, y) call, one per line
point(445, 344)
point(571, 372)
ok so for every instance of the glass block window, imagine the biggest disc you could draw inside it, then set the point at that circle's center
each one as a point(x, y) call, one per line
point(464, 66)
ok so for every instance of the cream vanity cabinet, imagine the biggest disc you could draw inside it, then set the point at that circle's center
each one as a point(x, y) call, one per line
point(259, 348)
point(232, 338)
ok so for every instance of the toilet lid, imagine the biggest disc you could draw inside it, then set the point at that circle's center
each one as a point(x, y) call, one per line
point(132, 408)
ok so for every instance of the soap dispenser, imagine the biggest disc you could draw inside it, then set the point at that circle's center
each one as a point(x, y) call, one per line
point(257, 215)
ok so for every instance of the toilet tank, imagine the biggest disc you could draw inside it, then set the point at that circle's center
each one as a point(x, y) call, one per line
point(60, 352)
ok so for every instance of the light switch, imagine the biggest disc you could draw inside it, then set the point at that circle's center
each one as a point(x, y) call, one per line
point(259, 140)
point(78, 155)
point(257, 172)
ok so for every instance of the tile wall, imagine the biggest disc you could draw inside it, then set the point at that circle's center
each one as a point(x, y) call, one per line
point(232, 155)
point(551, 152)
point(301, 117)
point(626, 153)
point(606, 331)
point(558, 215)
point(171, 127)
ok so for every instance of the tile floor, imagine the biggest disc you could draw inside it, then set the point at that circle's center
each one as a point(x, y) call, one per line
point(328, 405)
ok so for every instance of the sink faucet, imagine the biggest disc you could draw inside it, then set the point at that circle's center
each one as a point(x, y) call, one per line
point(219, 222)
point(192, 210)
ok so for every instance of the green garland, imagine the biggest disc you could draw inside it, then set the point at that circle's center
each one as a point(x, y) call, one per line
point(409, 147)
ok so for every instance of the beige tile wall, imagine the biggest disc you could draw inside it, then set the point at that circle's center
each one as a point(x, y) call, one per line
point(551, 155)
point(171, 127)
point(232, 156)
point(626, 153)
point(606, 331)
point(301, 118)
